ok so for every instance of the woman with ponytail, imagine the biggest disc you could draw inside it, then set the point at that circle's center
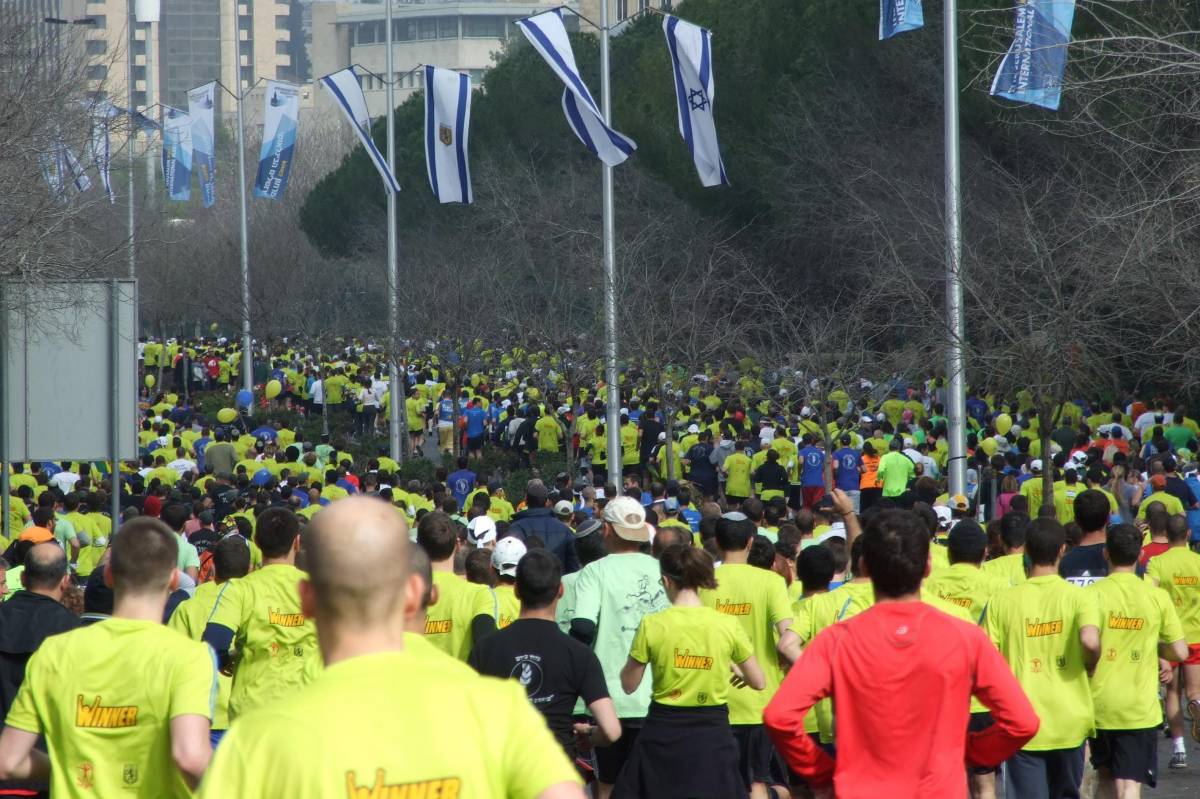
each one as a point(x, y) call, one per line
point(686, 748)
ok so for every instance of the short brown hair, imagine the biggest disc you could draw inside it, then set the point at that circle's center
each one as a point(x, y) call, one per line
point(144, 555)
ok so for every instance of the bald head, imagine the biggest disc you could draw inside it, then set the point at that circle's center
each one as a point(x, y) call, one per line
point(358, 563)
point(45, 568)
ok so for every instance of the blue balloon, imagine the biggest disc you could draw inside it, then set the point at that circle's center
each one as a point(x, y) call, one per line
point(261, 477)
point(244, 398)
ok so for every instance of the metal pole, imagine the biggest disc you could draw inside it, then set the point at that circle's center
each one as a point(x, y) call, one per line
point(114, 403)
point(611, 377)
point(956, 400)
point(129, 148)
point(393, 269)
point(247, 351)
point(151, 156)
point(5, 488)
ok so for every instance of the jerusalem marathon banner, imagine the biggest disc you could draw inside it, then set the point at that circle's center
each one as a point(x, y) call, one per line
point(898, 16)
point(200, 109)
point(279, 139)
point(177, 154)
point(1032, 69)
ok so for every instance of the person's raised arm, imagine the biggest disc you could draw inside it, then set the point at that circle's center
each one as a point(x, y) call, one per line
point(844, 508)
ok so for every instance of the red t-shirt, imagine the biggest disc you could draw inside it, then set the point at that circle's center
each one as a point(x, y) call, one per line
point(901, 675)
point(1150, 550)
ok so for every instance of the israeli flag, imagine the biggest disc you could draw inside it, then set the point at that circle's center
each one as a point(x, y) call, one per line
point(549, 37)
point(1032, 69)
point(345, 88)
point(691, 60)
point(100, 146)
point(79, 178)
point(447, 125)
point(898, 16)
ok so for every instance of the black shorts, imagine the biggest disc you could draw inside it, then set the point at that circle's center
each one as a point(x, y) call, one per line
point(1128, 754)
point(611, 759)
point(475, 443)
point(978, 723)
point(756, 754)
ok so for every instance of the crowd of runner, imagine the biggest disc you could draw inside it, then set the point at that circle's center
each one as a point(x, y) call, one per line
point(771, 594)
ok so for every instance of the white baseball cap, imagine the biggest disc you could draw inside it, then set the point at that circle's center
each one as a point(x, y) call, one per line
point(1035, 465)
point(628, 518)
point(481, 530)
point(507, 555)
point(693, 428)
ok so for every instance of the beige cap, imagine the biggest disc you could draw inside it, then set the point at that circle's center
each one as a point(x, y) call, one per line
point(628, 518)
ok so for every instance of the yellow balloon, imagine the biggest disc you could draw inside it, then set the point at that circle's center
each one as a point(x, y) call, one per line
point(989, 446)
point(1003, 423)
point(273, 389)
point(172, 398)
point(213, 327)
point(226, 415)
point(149, 381)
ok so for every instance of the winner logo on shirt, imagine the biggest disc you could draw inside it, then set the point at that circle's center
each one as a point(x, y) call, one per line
point(280, 619)
point(444, 788)
point(99, 716)
point(686, 660)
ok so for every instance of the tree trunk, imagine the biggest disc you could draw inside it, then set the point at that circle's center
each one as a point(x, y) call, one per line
point(670, 447)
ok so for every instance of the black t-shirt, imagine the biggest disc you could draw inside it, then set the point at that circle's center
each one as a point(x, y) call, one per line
point(554, 668)
point(1085, 565)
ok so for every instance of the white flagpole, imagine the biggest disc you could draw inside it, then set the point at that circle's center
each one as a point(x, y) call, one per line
point(393, 270)
point(131, 136)
point(955, 374)
point(611, 376)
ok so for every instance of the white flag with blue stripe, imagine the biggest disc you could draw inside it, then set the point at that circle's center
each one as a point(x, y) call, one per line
point(447, 126)
point(346, 90)
point(695, 86)
point(549, 37)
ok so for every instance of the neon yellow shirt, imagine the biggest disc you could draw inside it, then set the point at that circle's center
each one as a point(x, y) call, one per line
point(689, 651)
point(737, 482)
point(1032, 489)
point(507, 604)
point(1171, 502)
point(276, 645)
point(1009, 568)
point(448, 625)
point(965, 586)
point(1036, 628)
point(629, 445)
point(1135, 617)
point(368, 703)
point(190, 618)
point(104, 696)
point(548, 434)
point(1177, 571)
point(419, 647)
point(757, 600)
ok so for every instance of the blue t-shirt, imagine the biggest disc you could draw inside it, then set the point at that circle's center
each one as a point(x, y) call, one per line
point(475, 418)
point(461, 484)
point(265, 433)
point(446, 411)
point(812, 472)
point(848, 460)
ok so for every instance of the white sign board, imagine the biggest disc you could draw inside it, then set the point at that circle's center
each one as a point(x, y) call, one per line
point(58, 379)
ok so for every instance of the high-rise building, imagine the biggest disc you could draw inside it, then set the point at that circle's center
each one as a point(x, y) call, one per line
point(465, 36)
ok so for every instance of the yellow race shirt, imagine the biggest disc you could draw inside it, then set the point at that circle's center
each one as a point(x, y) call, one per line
point(104, 696)
point(1009, 568)
point(1170, 502)
point(757, 600)
point(965, 586)
point(190, 618)
point(448, 625)
point(1135, 617)
point(276, 645)
point(1177, 571)
point(689, 650)
point(737, 482)
point(419, 647)
point(508, 607)
point(1036, 628)
point(393, 725)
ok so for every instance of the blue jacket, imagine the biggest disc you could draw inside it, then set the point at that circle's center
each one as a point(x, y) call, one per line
point(555, 535)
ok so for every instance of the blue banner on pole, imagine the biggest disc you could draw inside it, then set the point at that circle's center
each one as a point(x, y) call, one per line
point(1032, 69)
point(177, 154)
point(898, 16)
point(280, 122)
point(204, 157)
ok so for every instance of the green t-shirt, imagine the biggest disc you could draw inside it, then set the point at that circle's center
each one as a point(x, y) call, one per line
point(689, 650)
point(448, 623)
point(1036, 625)
point(895, 470)
point(737, 483)
point(1135, 617)
point(1177, 571)
point(615, 592)
point(757, 600)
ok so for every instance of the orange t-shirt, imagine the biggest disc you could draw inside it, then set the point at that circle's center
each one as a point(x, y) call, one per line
point(38, 535)
point(870, 472)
